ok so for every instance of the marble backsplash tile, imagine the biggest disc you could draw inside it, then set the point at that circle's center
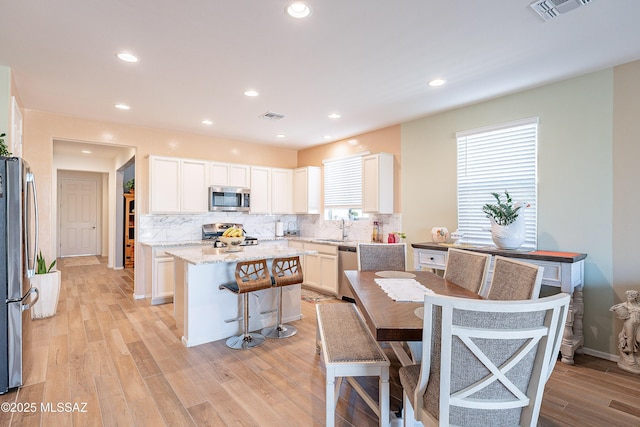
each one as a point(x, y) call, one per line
point(179, 228)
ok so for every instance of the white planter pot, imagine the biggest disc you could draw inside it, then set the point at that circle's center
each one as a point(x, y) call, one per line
point(48, 286)
point(508, 236)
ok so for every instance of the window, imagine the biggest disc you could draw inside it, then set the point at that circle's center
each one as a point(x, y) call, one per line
point(492, 160)
point(343, 187)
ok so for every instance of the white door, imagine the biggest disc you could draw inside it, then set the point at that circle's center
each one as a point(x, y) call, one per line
point(78, 217)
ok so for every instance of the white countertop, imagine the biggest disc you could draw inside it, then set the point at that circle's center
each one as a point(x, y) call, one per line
point(211, 255)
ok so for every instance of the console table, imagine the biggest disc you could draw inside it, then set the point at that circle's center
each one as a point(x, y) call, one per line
point(564, 270)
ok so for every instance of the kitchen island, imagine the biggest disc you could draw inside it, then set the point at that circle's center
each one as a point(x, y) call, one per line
point(201, 309)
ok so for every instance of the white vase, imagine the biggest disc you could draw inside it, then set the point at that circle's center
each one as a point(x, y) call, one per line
point(48, 286)
point(509, 236)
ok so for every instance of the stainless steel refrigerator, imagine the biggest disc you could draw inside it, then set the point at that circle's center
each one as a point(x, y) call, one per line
point(18, 247)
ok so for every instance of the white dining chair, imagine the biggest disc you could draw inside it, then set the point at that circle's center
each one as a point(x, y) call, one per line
point(489, 361)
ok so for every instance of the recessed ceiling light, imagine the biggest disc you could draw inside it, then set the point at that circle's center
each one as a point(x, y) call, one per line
point(327, 137)
point(127, 57)
point(437, 82)
point(122, 107)
point(334, 116)
point(352, 142)
point(86, 152)
point(250, 93)
point(298, 10)
point(280, 135)
point(207, 122)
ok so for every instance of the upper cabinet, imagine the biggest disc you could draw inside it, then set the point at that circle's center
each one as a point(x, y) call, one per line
point(260, 190)
point(306, 190)
point(177, 185)
point(271, 190)
point(377, 183)
point(281, 188)
point(229, 175)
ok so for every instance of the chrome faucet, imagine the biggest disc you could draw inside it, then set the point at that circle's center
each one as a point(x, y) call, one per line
point(344, 231)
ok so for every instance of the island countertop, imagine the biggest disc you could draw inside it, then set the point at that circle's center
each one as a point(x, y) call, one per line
point(211, 255)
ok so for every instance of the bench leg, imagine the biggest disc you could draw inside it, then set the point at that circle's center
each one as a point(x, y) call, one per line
point(384, 397)
point(408, 417)
point(330, 399)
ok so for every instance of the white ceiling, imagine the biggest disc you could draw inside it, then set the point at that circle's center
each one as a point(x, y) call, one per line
point(368, 60)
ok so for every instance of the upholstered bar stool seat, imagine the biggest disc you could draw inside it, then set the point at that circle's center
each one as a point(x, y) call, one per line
point(285, 272)
point(251, 276)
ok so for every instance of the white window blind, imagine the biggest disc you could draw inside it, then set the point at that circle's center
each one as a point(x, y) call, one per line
point(496, 159)
point(343, 182)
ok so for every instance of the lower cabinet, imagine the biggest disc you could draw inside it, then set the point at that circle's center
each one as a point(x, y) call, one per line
point(162, 274)
point(320, 270)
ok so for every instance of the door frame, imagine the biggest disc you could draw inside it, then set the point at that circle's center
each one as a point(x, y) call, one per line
point(84, 176)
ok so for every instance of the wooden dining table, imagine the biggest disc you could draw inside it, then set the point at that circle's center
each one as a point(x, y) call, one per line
point(397, 321)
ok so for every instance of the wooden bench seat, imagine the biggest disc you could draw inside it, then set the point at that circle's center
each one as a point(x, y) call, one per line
point(349, 350)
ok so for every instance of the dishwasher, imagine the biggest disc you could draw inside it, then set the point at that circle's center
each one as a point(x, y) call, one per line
point(347, 260)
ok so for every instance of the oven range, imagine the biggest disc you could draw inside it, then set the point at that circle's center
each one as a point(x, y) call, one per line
point(213, 231)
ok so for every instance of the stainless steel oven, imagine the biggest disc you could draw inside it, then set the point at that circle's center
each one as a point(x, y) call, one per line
point(229, 199)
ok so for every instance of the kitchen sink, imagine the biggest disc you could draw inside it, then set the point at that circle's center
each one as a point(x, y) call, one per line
point(330, 240)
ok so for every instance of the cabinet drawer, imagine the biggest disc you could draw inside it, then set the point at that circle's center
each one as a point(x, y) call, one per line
point(433, 259)
point(322, 249)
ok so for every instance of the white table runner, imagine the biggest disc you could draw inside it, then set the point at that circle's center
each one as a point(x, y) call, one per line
point(403, 289)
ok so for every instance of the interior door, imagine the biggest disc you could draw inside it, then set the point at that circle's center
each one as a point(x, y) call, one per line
point(78, 217)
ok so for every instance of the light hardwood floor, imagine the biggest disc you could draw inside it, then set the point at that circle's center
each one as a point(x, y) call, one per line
point(114, 361)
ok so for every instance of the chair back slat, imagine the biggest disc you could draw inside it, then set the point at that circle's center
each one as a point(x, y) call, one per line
point(467, 268)
point(382, 256)
point(287, 271)
point(252, 275)
point(514, 280)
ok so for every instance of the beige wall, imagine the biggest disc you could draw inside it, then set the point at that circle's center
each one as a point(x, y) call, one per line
point(626, 177)
point(42, 128)
point(383, 140)
point(575, 179)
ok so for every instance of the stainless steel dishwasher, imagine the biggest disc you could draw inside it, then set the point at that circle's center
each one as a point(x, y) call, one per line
point(347, 260)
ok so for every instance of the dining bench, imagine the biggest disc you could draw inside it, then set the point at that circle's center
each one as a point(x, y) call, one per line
point(349, 350)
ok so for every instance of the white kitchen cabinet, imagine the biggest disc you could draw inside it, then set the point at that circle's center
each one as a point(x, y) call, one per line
point(177, 185)
point(194, 189)
point(162, 278)
point(306, 190)
point(229, 175)
point(260, 190)
point(321, 270)
point(164, 185)
point(281, 191)
point(377, 183)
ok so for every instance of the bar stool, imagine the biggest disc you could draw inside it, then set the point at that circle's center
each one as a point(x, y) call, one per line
point(251, 276)
point(285, 271)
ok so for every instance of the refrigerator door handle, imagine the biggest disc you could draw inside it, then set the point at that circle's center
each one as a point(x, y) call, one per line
point(25, 296)
point(31, 261)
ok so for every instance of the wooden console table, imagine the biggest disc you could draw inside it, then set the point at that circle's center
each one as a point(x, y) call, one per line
point(564, 270)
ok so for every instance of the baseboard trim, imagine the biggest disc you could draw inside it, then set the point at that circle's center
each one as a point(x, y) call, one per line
point(601, 354)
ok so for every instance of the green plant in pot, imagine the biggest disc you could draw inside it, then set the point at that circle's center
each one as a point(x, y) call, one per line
point(130, 185)
point(41, 265)
point(47, 281)
point(507, 225)
point(4, 150)
point(503, 213)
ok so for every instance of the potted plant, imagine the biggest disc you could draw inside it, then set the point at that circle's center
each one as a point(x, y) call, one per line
point(4, 150)
point(507, 225)
point(130, 185)
point(47, 281)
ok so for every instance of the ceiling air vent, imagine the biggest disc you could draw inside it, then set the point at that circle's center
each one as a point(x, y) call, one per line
point(549, 9)
point(270, 115)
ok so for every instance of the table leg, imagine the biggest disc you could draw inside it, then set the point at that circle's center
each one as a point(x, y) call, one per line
point(572, 338)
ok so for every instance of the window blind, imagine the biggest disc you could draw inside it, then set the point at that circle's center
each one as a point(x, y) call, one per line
point(496, 159)
point(343, 182)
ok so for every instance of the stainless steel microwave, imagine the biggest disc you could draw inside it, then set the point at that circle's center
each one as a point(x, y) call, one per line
point(229, 199)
